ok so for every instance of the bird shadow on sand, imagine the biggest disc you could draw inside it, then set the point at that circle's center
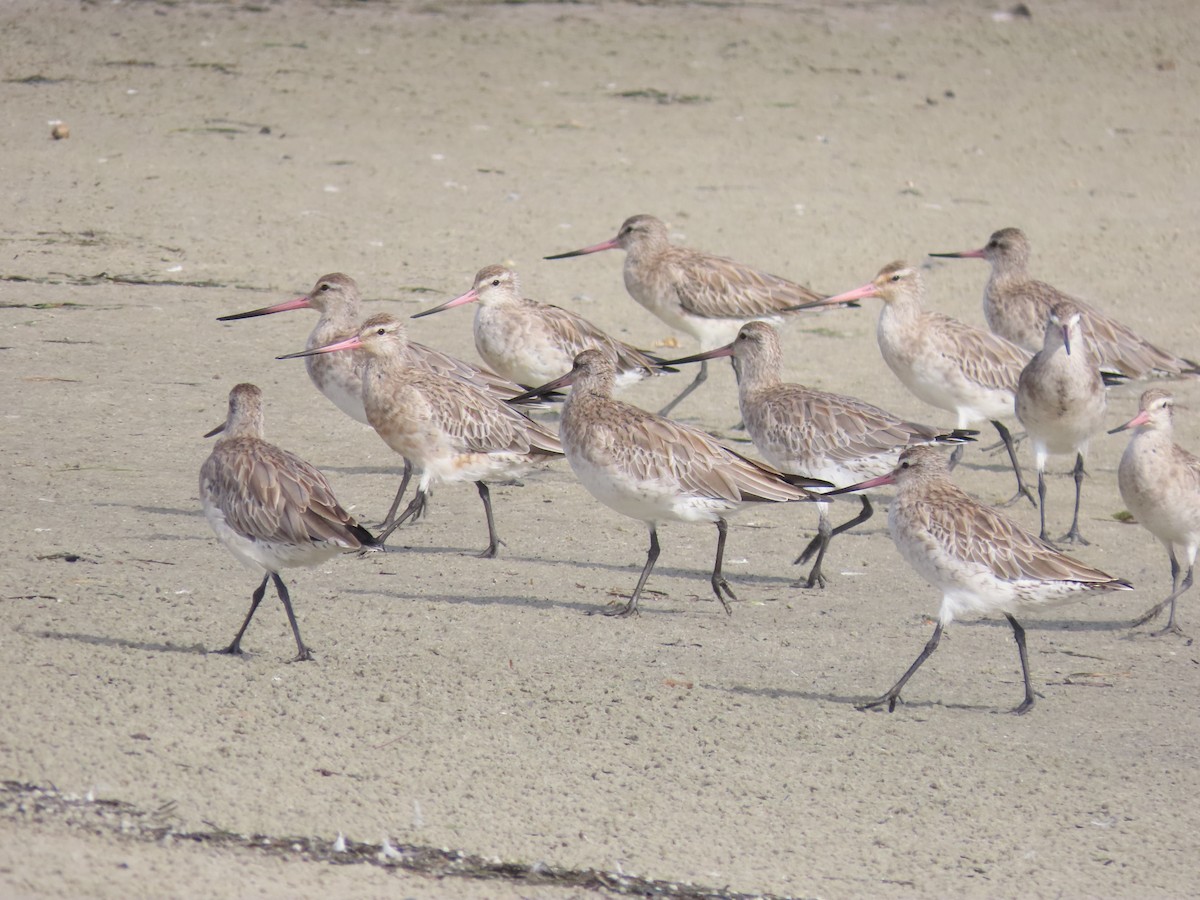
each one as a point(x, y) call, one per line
point(853, 702)
point(98, 640)
point(1066, 625)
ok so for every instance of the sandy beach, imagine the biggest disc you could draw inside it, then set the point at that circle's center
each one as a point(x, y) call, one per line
point(222, 156)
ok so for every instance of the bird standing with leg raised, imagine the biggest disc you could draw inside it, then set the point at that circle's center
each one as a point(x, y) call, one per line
point(451, 429)
point(339, 376)
point(1160, 483)
point(270, 507)
point(979, 559)
point(708, 297)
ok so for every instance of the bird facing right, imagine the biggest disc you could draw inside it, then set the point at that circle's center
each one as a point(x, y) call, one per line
point(1160, 483)
point(981, 560)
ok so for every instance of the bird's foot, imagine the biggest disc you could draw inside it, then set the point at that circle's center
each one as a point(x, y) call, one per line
point(815, 579)
point(234, 649)
point(890, 698)
point(1074, 537)
point(305, 655)
point(1022, 491)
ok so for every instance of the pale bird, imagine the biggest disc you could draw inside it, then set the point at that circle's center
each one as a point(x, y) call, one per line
point(453, 430)
point(979, 559)
point(1160, 484)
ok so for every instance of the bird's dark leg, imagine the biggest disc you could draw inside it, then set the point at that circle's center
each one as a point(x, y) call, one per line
point(956, 456)
point(404, 479)
point(719, 584)
point(893, 693)
point(1177, 590)
point(1042, 503)
point(414, 510)
point(1022, 490)
point(821, 541)
point(1019, 633)
point(302, 652)
point(696, 382)
point(1073, 536)
point(256, 598)
point(493, 540)
point(631, 608)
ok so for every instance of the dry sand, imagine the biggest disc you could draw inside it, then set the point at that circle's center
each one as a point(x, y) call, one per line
point(222, 156)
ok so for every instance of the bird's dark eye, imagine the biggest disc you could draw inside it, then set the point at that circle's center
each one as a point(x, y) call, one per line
point(495, 282)
point(323, 287)
point(896, 277)
point(381, 331)
point(904, 465)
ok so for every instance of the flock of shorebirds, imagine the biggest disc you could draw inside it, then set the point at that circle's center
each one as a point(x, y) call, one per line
point(1045, 362)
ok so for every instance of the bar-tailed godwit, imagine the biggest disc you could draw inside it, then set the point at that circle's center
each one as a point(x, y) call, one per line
point(1016, 307)
point(339, 375)
point(948, 364)
point(271, 508)
point(804, 431)
point(1061, 401)
point(1160, 483)
point(655, 470)
point(979, 559)
point(708, 297)
point(532, 343)
point(453, 430)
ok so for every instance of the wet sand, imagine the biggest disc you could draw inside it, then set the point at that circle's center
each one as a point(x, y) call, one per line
point(223, 156)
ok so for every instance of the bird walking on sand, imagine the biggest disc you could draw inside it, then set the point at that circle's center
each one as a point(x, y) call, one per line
point(271, 508)
point(708, 297)
point(650, 468)
point(339, 375)
point(946, 363)
point(1016, 307)
point(451, 429)
point(532, 343)
point(804, 431)
point(981, 560)
point(1160, 483)
point(1061, 401)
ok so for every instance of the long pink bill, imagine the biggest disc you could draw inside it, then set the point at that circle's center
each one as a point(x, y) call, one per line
point(889, 478)
point(847, 298)
point(298, 303)
point(1140, 419)
point(469, 297)
point(961, 254)
point(595, 248)
point(350, 343)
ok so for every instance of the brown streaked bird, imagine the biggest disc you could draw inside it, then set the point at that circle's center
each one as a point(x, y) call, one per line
point(1061, 401)
point(947, 363)
point(708, 297)
point(1016, 306)
point(979, 559)
point(1160, 483)
point(451, 429)
point(339, 375)
point(805, 431)
point(271, 508)
point(655, 470)
point(532, 343)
